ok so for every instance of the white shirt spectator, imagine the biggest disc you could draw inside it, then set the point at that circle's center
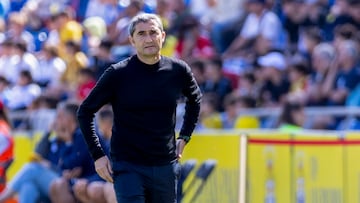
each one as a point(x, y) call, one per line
point(19, 97)
point(221, 11)
point(7, 64)
point(26, 62)
point(108, 12)
point(267, 25)
point(50, 71)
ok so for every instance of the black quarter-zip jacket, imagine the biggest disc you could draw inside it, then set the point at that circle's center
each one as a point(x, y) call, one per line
point(144, 99)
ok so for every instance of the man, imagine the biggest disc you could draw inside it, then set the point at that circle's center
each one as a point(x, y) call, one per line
point(143, 91)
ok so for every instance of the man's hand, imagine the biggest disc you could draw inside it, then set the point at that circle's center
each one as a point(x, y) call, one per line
point(72, 173)
point(180, 144)
point(103, 168)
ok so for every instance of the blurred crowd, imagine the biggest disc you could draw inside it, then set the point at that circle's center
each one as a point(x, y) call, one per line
point(244, 53)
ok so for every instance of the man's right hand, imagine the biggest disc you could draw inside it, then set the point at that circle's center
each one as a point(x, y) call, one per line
point(103, 168)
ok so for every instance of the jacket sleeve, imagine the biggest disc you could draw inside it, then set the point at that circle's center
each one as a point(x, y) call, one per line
point(193, 94)
point(100, 95)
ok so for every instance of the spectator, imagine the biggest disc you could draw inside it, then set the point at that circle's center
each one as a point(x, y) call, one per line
point(86, 81)
point(323, 59)
point(108, 10)
point(198, 69)
point(85, 189)
point(163, 10)
point(22, 60)
point(244, 121)
point(51, 68)
point(180, 14)
point(348, 75)
point(224, 31)
point(208, 112)
point(295, 15)
point(216, 82)
point(260, 22)
point(63, 155)
point(311, 38)
point(65, 29)
point(301, 15)
point(292, 117)
point(102, 58)
point(17, 32)
point(41, 113)
point(192, 43)
point(4, 86)
point(7, 58)
point(341, 13)
point(276, 86)
point(225, 119)
point(75, 60)
point(247, 86)
point(95, 31)
point(120, 35)
point(98, 191)
point(21, 95)
point(298, 73)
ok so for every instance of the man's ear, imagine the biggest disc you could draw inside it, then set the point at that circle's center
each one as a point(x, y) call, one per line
point(163, 37)
point(131, 40)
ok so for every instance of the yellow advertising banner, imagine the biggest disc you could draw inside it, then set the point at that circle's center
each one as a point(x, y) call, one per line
point(222, 184)
point(23, 148)
point(352, 168)
point(317, 167)
point(268, 167)
point(306, 167)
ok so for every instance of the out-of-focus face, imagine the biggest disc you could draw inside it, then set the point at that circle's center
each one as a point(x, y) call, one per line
point(23, 80)
point(198, 75)
point(147, 39)
point(6, 50)
point(355, 12)
point(294, 75)
point(255, 7)
point(105, 125)
point(262, 45)
point(299, 117)
point(62, 120)
point(270, 72)
point(320, 63)
point(212, 73)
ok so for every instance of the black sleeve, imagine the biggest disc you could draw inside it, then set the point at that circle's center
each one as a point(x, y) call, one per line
point(100, 95)
point(192, 92)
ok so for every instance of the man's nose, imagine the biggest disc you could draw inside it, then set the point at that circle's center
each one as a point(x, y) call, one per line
point(148, 38)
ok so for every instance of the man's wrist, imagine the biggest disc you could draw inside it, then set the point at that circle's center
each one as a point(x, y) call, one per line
point(184, 137)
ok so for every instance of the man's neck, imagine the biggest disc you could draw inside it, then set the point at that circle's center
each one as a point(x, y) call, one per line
point(149, 60)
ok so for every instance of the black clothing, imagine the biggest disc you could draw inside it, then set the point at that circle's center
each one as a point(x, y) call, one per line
point(273, 92)
point(100, 65)
point(144, 99)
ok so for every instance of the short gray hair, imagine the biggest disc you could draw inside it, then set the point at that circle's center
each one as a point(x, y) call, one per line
point(144, 18)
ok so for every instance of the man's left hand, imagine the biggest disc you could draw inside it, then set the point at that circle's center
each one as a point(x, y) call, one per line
point(180, 144)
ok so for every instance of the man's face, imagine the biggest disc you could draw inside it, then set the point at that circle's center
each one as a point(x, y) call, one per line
point(147, 39)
